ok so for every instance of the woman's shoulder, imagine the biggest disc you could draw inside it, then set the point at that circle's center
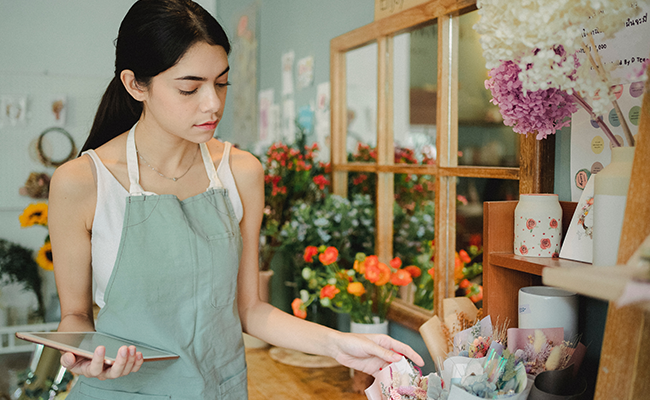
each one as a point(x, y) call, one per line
point(243, 164)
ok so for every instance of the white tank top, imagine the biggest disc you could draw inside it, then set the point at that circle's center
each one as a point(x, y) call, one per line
point(109, 217)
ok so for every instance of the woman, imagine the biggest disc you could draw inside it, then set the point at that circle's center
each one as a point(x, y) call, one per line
point(174, 264)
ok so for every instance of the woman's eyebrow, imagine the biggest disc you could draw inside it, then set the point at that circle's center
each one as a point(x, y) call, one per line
point(200, 78)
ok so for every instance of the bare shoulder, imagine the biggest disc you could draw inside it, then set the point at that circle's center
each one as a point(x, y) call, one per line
point(73, 189)
point(246, 167)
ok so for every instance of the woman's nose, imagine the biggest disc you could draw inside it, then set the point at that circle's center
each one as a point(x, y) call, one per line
point(211, 101)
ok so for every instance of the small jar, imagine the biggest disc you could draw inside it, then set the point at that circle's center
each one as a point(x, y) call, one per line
point(538, 226)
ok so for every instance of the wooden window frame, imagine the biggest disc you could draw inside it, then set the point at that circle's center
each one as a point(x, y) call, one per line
point(535, 173)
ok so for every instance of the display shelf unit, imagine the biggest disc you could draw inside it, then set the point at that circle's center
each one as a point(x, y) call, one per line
point(505, 273)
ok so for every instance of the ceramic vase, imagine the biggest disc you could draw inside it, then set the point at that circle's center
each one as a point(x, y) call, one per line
point(376, 327)
point(538, 226)
point(548, 307)
point(610, 196)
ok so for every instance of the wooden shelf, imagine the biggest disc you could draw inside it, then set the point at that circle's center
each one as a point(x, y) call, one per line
point(505, 273)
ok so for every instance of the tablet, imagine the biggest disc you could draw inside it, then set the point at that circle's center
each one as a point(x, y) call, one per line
point(85, 343)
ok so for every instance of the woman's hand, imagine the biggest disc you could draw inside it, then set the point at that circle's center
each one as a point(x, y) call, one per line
point(372, 352)
point(128, 360)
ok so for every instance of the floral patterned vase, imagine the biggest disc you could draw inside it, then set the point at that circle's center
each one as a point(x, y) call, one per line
point(538, 226)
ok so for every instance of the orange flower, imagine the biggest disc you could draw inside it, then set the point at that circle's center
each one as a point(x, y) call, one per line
point(310, 252)
point(413, 270)
point(395, 263)
point(401, 278)
point(432, 272)
point(464, 257)
point(478, 296)
point(464, 284)
point(298, 309)
point(356, 289)
point(329, 256)
point(458, 268)
point(329, 291)
point(360, 266)
point(384, 274)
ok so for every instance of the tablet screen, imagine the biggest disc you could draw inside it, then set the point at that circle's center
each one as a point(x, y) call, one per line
point(85, 343)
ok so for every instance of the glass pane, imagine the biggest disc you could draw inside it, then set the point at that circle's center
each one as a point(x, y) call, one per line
point(415, 78)
point(413, 232)
point(482, 137)
point(472, 192)
point(361, 94)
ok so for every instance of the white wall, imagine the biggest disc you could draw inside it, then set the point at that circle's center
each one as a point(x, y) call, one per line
point(50, 48)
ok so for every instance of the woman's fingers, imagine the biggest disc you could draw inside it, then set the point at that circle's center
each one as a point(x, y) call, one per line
point(96, 366)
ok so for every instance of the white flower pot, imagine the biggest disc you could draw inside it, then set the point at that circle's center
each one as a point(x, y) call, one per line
point(377, 327)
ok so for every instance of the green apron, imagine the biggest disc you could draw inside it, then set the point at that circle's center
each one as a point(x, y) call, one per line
point(174, 287)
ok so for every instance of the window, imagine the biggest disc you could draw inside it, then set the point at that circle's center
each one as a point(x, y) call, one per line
point(408, 90)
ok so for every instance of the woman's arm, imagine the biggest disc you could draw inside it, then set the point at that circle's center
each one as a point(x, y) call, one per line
point(367, 353)
point(71, 210)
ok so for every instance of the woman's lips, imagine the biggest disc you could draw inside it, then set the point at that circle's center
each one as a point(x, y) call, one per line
point(208, 125)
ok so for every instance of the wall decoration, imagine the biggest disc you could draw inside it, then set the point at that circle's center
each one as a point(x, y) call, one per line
point(287, 73)
point(37, 186)
point(628, 49)
point(12, 110)
point(305, 72)
point(264, 118)
point(288, 120)
point(59, 110)
point(46, 159)
point(243, 74)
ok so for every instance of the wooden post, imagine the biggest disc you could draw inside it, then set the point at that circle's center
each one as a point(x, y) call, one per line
point(624, 371)
point(536, 164)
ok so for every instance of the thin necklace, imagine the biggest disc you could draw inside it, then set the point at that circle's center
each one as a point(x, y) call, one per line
point(166, 177)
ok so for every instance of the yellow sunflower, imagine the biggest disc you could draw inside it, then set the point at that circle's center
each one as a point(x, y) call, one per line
point(34, 214)
point(44, 257)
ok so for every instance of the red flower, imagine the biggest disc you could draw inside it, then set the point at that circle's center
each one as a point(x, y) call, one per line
point(553, 223)
point(545, 244)
point(329, 291)
point(310, 252)
point(329, 256)
point(321, 181)
point(413, 270)
point(530, 224)
point(523, 249)
point(464, 257)
point(478, 296)
point(371, 261)
point(401, 278)
point(464, 284)
point(395, 263)
point(297, 307)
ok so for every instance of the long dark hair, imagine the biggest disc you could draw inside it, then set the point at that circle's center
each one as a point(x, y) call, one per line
point(153, 37)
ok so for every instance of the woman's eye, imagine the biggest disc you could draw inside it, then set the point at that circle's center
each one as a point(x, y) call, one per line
point(187, 93)
point(222, 85)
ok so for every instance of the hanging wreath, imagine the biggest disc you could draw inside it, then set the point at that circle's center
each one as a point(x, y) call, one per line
point(45, 159)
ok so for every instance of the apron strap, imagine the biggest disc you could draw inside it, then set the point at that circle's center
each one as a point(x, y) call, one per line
point(132, 164)
point(215, 182)
point(134, 172)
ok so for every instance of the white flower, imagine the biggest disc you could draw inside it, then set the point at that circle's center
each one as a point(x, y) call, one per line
point(530, 31)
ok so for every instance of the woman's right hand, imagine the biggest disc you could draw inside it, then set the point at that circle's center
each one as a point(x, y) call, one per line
point(128, 360)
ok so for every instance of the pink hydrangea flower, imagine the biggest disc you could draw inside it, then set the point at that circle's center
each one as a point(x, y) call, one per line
point(541, 111)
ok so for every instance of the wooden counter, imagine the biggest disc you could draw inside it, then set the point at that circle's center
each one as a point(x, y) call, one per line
point(269, 379)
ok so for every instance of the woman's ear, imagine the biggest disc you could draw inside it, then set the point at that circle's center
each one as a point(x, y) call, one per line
point(131, 85)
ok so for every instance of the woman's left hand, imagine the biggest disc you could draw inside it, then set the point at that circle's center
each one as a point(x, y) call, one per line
point(370, 353)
